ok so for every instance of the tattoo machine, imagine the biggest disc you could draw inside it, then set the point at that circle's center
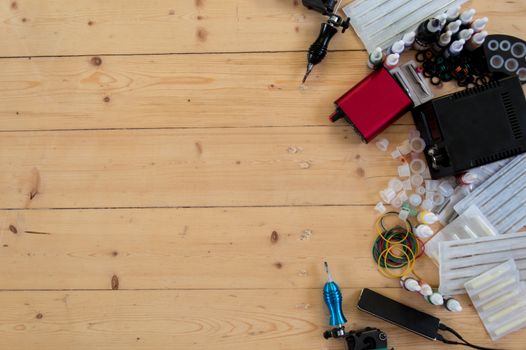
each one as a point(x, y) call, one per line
point(365, 339)
point(318, 49)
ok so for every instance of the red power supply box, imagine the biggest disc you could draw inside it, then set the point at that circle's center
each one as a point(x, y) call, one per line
point(372, 104)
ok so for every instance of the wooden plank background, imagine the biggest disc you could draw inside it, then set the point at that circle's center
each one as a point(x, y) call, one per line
point(167, 183)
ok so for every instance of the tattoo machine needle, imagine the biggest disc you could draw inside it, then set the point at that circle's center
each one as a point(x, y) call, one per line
point(318, 49)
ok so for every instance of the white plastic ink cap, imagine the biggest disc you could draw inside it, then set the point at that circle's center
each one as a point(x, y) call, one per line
point(468, 178)
point(387, 195)
point(416, 180)
point(415, 200)
point(417, 166)
point(453, 27)
point(413, 133)
point(397, 203)
point(421, 190)
point(395, 184)
point(402, 196)
point(453, 13)
point(453, 305)
point(382, 144)
point(404, 170)
point(427, 204)
point(380, 208)
point(521, 73)
point(432, 185)
point(417, 144)
point(392, 60)
point(518, 50)
point(438, 199)
point(396, 154)
point(429, 195)
point(446, 189)
point(423, 231)
point(479, 24)
point(404, 148)
point(404, 214)
point(409, 39)
point(398, 47)
point(466, 34)
point(467, 16)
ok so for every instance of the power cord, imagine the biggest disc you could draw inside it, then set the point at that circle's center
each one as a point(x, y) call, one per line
point(464, 342)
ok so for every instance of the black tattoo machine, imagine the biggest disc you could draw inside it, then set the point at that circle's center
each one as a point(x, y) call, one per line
point(318, 49)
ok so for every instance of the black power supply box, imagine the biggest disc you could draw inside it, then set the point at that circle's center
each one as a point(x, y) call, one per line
point(473, 127)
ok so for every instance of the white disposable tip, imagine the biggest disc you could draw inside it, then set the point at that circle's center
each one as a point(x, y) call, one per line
point(398, 47)
point(425, 289)
point(396, 185)
point(453, 305)
point(453, 27)
point(446, 189)
point(415, 200)
point(417, 166)
point(427, 204)
point(417, 144)
point(456, 46)
point(404, 170)
point(453, 12)
point(409, 39)
point(417, 180)
point(392, 60)
point(467, 16)
point(380, 208)
point(479, 38)
point(436, 299)
point(466, 34)
point(382, 144)
point(387, 195)
point(412, 285)
point(445, 38)
point(479, 24)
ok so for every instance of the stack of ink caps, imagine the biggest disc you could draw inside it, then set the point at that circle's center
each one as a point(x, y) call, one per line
point(414, 193)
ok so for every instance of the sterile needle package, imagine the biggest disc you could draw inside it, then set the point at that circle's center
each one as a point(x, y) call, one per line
point(462, 260)
point(500, 299)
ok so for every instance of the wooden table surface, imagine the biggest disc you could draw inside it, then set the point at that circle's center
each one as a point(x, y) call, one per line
point(166, 183)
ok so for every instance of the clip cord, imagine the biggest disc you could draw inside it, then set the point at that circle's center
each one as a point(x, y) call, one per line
point(463, 342)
